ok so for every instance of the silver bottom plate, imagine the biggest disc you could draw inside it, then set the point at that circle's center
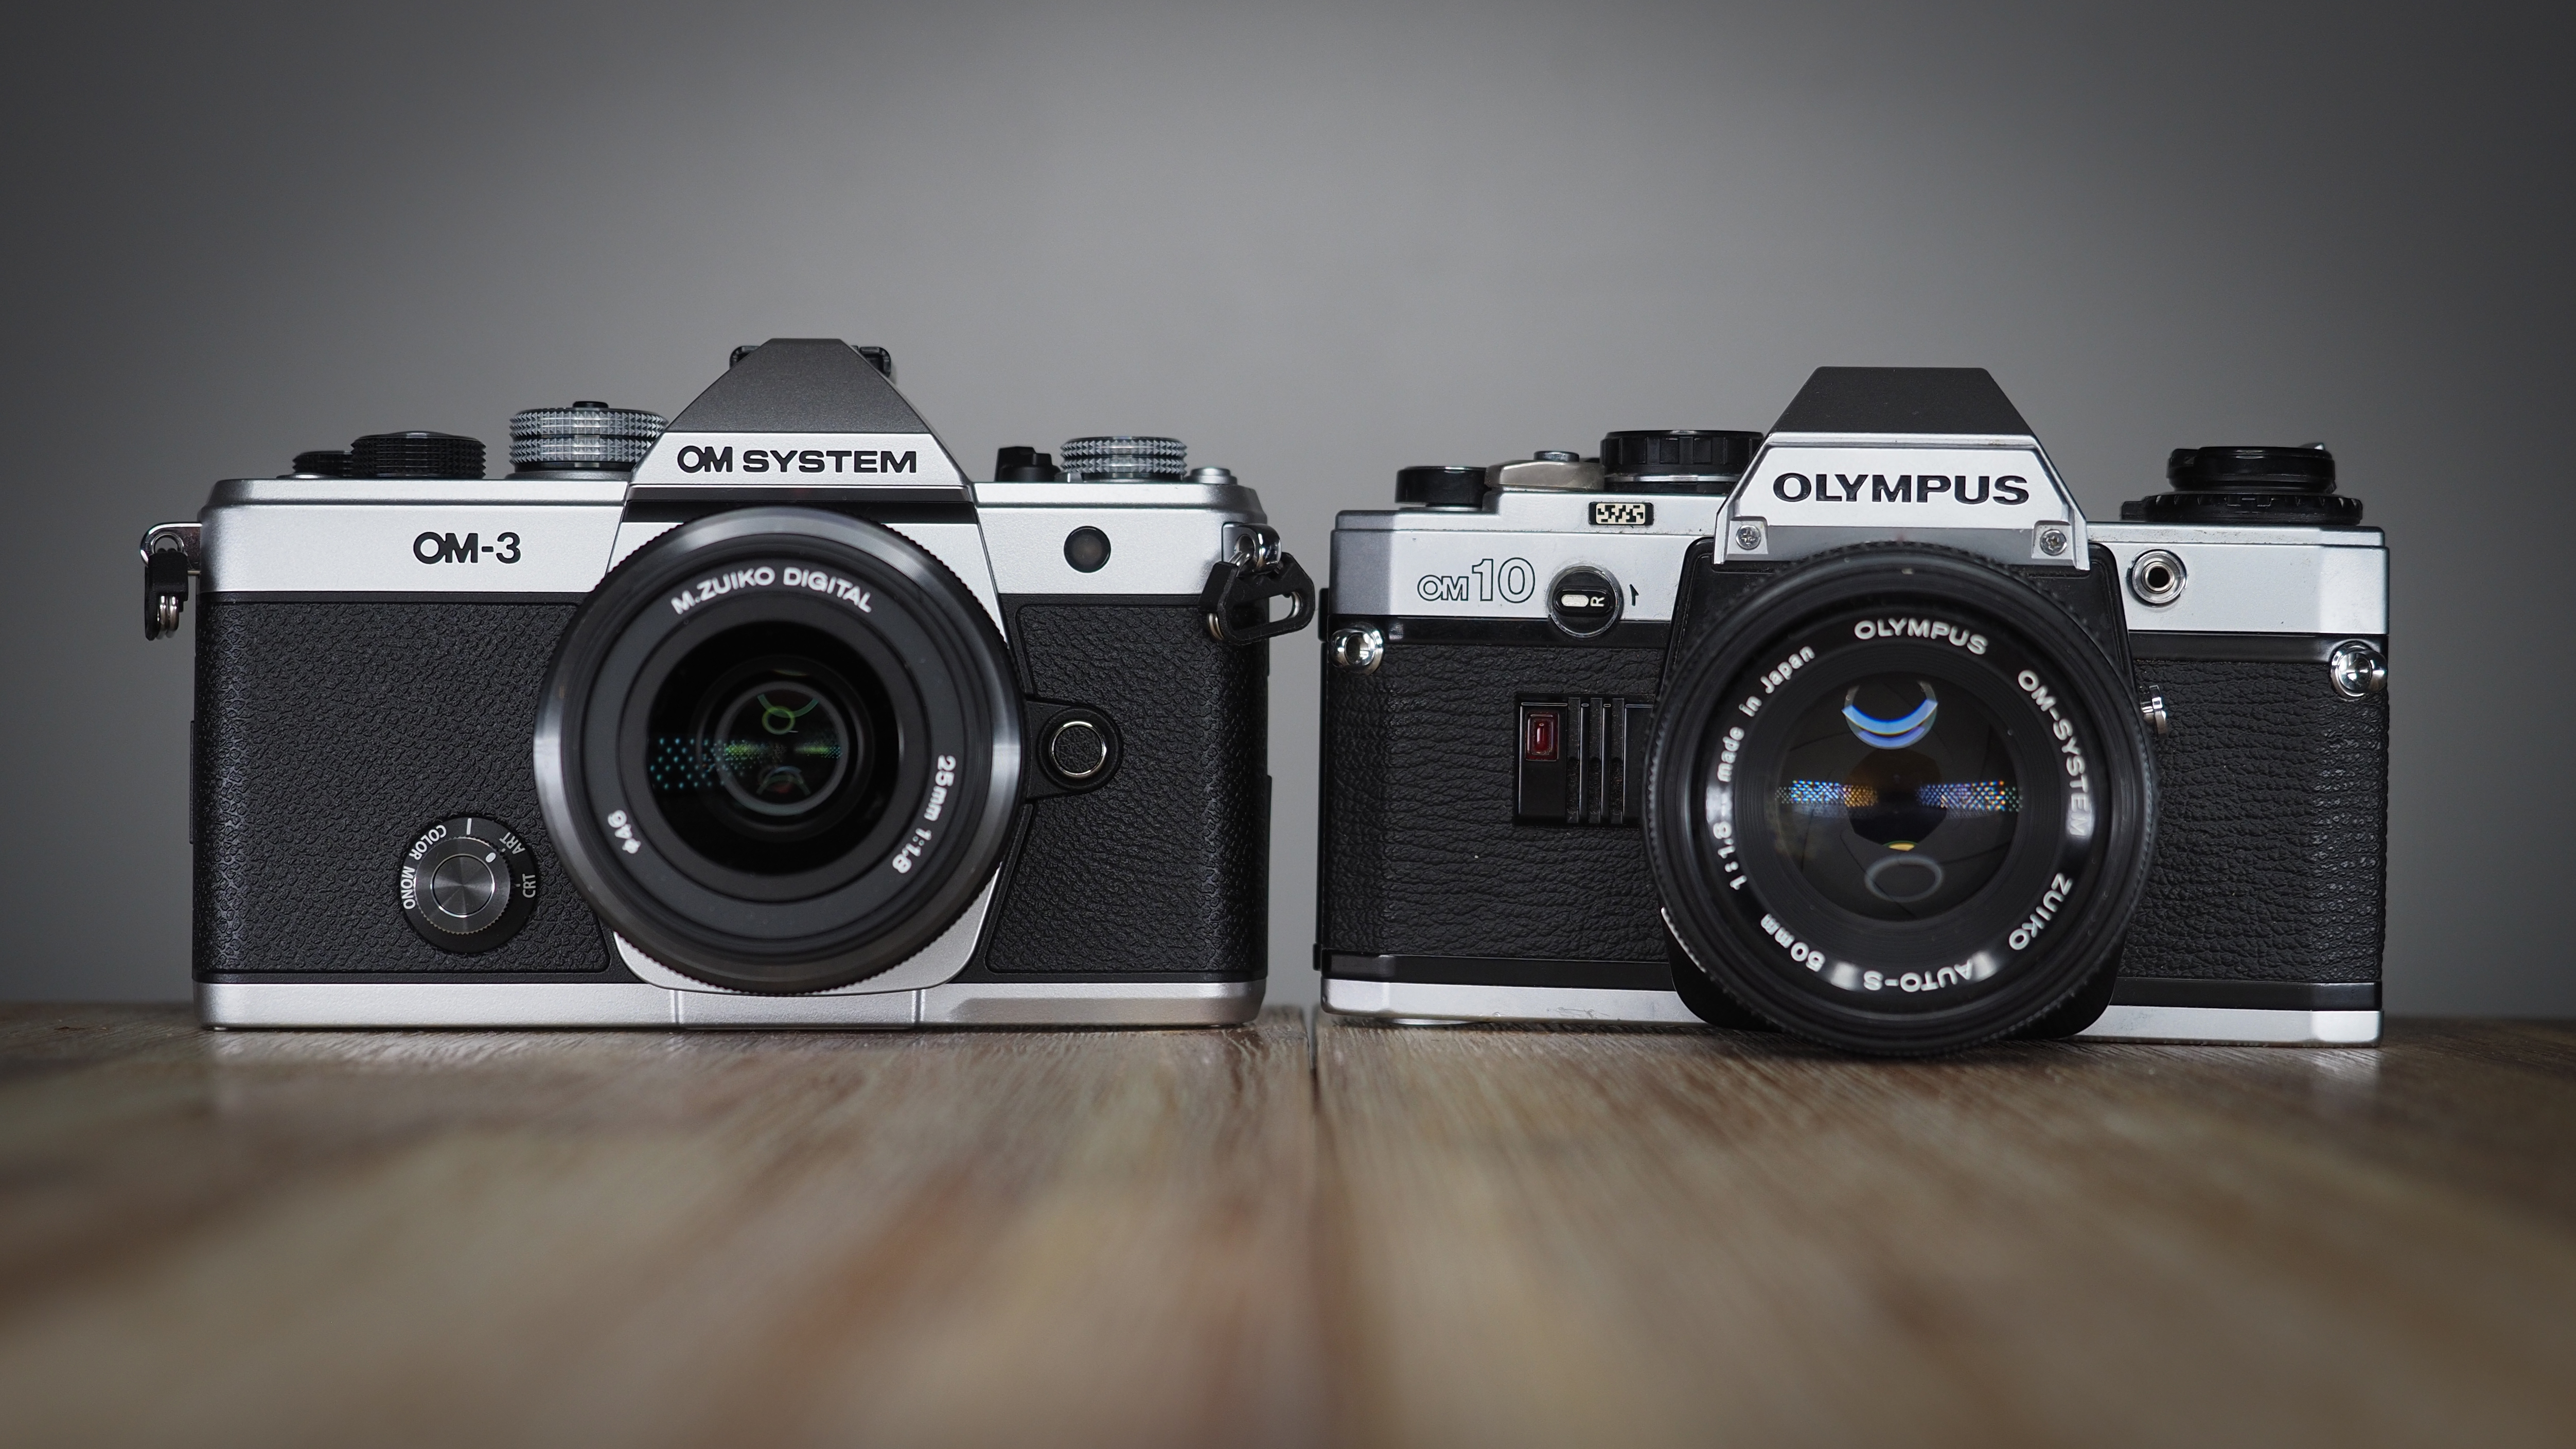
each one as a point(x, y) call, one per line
point(634, 1004)
point(2235, 1025)
point(1428, 1001)
point(1425, 1002)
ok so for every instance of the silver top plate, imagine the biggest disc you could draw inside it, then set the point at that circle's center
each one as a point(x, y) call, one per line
point(503, 536)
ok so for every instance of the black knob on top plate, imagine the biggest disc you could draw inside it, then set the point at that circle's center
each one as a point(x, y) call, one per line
point(468, 884)
point(1441, 486)
point(1677, 460)
point(1020, 463)
point(416, 455)
point(2249, 485)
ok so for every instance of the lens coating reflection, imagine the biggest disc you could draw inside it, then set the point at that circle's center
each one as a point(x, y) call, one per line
point(1894, 802)
point(772, 749)
point(781, 747)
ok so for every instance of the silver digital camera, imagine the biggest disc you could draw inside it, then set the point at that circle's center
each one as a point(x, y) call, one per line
point(764, 718)
point(1862, 730)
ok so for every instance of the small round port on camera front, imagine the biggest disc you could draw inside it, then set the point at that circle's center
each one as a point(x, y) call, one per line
point(1583, 603)
point(1087, 549)
point(2156, 577)
point(1441, 486)
point(468, 884)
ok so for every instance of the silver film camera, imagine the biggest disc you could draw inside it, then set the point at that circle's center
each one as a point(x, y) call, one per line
point(1862, 730)
point(768, 717)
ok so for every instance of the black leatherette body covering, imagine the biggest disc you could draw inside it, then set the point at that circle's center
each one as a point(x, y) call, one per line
point(329, 734)
point(1420, 855)
point(2271, 858)
point(1166, 868)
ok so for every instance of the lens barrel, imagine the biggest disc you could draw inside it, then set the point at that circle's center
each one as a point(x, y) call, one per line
point(779, 749)
point(1901, 802)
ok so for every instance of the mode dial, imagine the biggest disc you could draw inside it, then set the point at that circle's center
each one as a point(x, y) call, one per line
point(584, 438)
point(1125, 456)
point(2249, 485)
point(415, 455)
point(1677, 460)
point(468, 884)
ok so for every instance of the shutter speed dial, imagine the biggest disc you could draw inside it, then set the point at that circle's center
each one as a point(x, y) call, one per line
point(468, 884)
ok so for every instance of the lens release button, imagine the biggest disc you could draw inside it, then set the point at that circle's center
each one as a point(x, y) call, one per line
point(1079, 750)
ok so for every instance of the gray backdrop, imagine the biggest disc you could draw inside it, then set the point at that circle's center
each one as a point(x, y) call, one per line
point(1318, 242)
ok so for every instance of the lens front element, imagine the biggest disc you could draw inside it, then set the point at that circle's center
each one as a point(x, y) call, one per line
point(773, 749)
point(1892, 806)
point(779, 748)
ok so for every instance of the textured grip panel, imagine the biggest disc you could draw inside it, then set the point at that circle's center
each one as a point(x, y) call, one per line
point(1167, 867)
point(331, 733)
point(2271, 859)
point(1420, 855)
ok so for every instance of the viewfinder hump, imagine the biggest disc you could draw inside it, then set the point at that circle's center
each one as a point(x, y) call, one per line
point(1902, 400)
point(800, 385)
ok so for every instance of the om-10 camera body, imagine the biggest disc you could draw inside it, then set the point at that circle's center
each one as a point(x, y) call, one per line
point(1869, 734)
point(766, 718)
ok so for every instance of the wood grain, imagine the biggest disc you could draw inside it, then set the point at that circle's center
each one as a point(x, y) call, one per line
point(640, 1238)
point(1538, 1235)
point(1379, 1235)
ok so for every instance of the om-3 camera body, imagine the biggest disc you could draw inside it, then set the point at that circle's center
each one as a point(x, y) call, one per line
point(789, 725)
point(1885, 743)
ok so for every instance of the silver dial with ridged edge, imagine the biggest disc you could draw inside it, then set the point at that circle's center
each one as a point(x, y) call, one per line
point(585, 435)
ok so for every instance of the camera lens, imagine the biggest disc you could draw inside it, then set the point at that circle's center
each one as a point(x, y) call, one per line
point(1901, 803)
point(779, 749)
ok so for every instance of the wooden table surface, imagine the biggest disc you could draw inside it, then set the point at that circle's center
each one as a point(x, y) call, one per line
point(1358, 1234)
